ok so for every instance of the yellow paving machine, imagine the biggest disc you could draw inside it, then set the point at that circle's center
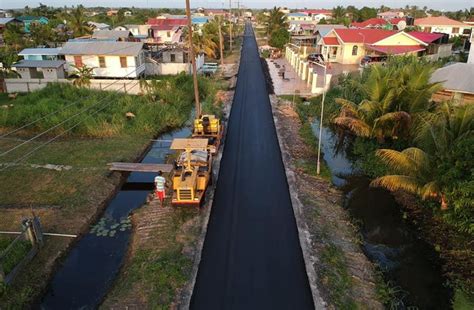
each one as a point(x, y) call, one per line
point(209, 127)
point(192, 171)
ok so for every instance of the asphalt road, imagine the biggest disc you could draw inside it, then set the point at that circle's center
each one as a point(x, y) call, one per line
point(252, 258)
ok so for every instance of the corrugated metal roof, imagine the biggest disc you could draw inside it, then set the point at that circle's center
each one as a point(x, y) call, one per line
point(5, 20)
point(457, 77)
point(102, 48)
point(39, 64)
point(40, 51)
point(110, 34)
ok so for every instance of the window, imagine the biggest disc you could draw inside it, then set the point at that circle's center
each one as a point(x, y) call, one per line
point(455, 30)
point(102, 62)
point(78, 61)
point(173, 58)
point(123, 62)
point(355, 48)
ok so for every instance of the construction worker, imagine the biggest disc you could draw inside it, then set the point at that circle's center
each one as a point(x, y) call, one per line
point(160, 187)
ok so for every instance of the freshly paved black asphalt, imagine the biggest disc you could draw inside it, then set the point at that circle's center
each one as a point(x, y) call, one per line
point(252, 258)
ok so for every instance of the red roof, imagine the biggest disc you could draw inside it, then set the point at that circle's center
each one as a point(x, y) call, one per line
point(330, 41)
point(437, 21)
point(368, 36)
point(167, 21)
point(395, 50)
point(162, 27)
point(370, 22)
point(426, 36)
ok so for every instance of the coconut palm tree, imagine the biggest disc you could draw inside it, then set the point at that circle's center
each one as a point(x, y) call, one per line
point(276, 20)
point(414, 171)
point(77, 22)
point(202, 43)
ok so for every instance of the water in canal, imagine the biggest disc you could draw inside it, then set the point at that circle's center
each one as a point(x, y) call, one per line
point(91, 266)
point(409, 263)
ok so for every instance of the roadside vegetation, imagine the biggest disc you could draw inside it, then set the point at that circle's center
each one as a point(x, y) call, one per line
point(277, 28)
point(408, 144)
point(67, 181)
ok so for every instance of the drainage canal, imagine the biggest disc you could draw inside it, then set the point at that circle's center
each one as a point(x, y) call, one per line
point(88, 271)
point(411, 265)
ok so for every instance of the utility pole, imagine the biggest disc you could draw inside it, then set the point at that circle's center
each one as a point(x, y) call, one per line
point(230, 25)
point(221, 40)
point(193, 59)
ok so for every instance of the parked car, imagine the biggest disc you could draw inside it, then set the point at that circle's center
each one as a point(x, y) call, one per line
point(209, 68)
point(316, 57)
point(372, 60)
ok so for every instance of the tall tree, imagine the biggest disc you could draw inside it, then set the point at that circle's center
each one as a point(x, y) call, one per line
point(77, 22)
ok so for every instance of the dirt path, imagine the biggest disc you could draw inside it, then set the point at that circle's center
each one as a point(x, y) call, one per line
point(343, 273)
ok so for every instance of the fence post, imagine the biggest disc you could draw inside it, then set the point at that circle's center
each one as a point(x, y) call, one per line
point(2, 274)
point(37, 231)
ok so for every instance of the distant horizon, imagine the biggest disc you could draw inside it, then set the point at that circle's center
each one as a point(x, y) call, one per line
point(442, 5)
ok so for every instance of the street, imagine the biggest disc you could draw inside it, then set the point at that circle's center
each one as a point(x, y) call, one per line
point(251, 258)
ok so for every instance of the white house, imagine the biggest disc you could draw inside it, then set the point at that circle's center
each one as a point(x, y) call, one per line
point(171, 61)
point(470, 58)
point(109, 59)
point(390, 15)
point(40, 69)
point(299, 17)
point(441, 24)
point(98, 26)
point(41, 53)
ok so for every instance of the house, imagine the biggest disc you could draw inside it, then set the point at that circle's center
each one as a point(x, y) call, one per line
point(165, 34)
point(381, 23)
point(40, 69)
point(167, 21)
point(457, 81)
point(30, 20)
point(112, 35)
point(108, 59)
point(299, 17)
point(112, 13)
point(98, 26)
point(438, 45)
point(5, 14)
point(199, 21)
point(442, 24)
point(4, 21)
point(216, 12)
point(172, 61)
point(138, 31)
point(41, 54)
point(322, 30)
point(318, 15)
point(390, 15)
point(349, 46)
point(127, 13)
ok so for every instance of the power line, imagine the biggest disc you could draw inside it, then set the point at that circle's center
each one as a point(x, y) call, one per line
point(51, 140)
point(66, 106)
point(54, 127)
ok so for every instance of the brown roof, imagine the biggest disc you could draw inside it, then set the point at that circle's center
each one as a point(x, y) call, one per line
point(437, 21)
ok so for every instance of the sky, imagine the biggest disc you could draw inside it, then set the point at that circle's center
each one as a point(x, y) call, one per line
point(448, 5)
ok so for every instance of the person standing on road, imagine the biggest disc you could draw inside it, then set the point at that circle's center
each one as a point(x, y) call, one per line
point(160, 187)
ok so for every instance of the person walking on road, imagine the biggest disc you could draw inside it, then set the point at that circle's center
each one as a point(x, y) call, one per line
point(160, 187)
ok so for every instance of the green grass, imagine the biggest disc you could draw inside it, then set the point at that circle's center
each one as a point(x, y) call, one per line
point(14, 255)
point(310, 166)
point(335, 275)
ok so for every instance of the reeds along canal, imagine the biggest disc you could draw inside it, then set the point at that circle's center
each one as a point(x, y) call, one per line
point(410, 265)
point(88, 271)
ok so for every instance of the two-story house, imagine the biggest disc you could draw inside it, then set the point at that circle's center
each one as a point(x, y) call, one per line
point(108, 59)
point(442, 24)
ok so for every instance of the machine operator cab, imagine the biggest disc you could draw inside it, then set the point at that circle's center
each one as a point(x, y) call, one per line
point(210, 127)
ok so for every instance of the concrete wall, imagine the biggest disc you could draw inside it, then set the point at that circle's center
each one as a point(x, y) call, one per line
point(168, 68)
point(28, 85)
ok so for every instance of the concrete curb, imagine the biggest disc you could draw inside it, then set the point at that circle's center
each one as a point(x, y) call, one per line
point(303, 233)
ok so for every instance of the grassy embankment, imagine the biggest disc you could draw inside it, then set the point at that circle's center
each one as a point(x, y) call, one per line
point(67, 199)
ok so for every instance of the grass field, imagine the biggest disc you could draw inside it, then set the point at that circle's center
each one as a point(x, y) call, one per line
point(67, 183)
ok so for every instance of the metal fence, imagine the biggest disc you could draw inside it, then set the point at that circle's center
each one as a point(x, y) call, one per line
point(21, 250)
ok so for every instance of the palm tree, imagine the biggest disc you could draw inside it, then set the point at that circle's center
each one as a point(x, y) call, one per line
point(396, 96)
point(77, 22)
point(83, 76)
point(202, 43)
point(338, 13)
point(414, 172)
point(276, 20)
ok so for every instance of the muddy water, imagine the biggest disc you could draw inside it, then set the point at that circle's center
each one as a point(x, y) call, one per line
point(411, 265)
point(91, 266)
